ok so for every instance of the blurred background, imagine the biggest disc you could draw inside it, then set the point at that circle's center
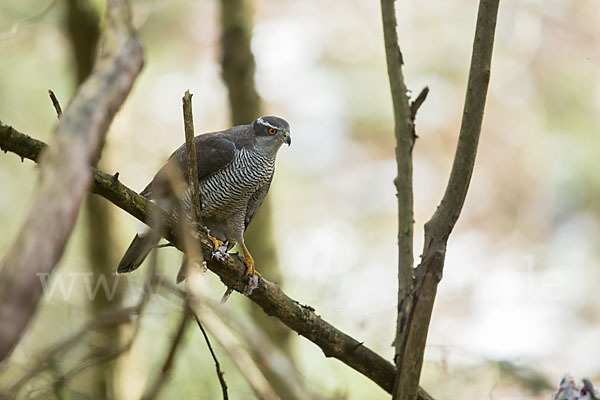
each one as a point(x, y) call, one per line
point(518, 305)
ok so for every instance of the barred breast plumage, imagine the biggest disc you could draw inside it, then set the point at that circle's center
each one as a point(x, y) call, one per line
point(229, 190)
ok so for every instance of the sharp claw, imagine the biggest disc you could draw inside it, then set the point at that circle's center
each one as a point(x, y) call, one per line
point(220, 253)
point(251, 281)
point(217, 244)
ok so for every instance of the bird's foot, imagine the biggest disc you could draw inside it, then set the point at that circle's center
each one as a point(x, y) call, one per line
point(249, 263)
point(219, 248)
point(216, 242)
point(251, 276)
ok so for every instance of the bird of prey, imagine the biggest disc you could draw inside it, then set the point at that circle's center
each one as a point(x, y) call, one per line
point(235, 169)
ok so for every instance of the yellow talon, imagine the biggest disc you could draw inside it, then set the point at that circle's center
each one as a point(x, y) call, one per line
point(216, 242)
point(248, 262)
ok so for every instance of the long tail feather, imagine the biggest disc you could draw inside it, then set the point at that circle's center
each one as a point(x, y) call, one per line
point(137, 252)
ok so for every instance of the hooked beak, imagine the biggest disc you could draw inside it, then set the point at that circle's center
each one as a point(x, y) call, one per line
point(287, 139)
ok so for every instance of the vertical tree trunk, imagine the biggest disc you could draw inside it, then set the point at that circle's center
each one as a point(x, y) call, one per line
point(83, 26)
point(238, 68)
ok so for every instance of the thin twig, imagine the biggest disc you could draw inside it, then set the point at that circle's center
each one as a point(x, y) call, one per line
point(214, 356)
point(167, 367)
point(55, 103)
point(414, 107)
point(192, 162)
point(269, 356)
point(416, 103)
point(240, 356)
point(193, 252)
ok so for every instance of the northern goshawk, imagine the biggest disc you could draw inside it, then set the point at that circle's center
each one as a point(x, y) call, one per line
point(235, 169)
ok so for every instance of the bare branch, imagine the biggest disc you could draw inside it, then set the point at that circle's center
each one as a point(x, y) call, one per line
point(439, 227)
point(194, 254)
point(447, 213)
point(404, 144)
point(214, 357)
point(65, 175)
point(405, 139)
point(268, 295)
point(20, 144)
point(259, 384)
point(192, 163)
point(272, 359)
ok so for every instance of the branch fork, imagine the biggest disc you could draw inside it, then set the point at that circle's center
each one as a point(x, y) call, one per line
point(417, 287)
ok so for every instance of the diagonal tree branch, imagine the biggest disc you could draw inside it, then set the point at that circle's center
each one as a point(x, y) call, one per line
point(439, 227)
point(268, 295)
point(65, 175)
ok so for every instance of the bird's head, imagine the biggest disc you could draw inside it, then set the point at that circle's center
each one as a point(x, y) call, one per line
point(273, 130)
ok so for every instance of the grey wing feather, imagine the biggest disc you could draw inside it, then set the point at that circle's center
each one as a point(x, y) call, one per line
point(214, 151)
point(255, 202)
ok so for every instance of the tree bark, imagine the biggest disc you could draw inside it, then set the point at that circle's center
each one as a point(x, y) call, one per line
point(405, 140)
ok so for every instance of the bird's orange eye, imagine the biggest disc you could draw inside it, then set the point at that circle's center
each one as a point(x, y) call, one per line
point(272, 131)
